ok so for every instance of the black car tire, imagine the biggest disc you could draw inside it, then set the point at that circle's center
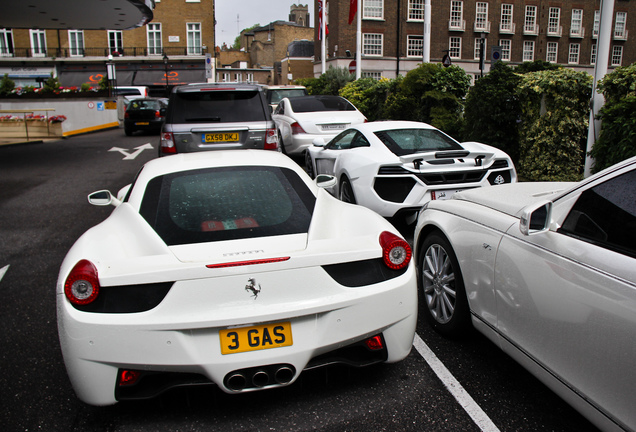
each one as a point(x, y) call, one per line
point(309, 166)
point(346, 191)
point(441, 287)
point(128, 132)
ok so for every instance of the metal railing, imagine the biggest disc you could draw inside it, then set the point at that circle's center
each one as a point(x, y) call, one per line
point(101, 52)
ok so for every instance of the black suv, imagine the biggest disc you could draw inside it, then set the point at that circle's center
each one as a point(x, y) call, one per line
point(217, 116)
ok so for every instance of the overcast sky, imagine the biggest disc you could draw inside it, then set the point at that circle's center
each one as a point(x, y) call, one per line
point(250, 12)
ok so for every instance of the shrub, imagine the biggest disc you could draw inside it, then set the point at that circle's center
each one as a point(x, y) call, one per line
point(370, 95)
point(51, 85)
point(6, 85)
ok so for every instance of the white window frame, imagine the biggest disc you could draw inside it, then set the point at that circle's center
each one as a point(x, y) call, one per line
point(552, 52)
point(574, 52)
point(456, 21)
point(414, 45)
point(6, 43)
point(620, 26)
point(375, 75)
point(416, 10)
point(576, 23)
point(373, 9)
point(506, 24)
point(530, 22)
point(481, 17)
point(76, 43)
point(115, 41)
point(238, 77)
point(153, 36)
point(194, 37)
point(528, 51)
point(506, 49)
point(455, 47)
point(597, 24)
point(372, 44)
point(554, 21)
point(593, 55)
point(617, 55)
point(38, 42)
point(250, 77)
point(476, 54)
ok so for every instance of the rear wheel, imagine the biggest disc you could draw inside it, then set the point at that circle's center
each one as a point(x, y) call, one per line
point(281, 144)
point(309, 166)
point(346, 191)
point(442, 287)
point(128, 132)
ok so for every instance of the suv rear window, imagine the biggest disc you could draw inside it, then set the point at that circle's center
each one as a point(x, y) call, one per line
point(215, 204)
point(222, 106)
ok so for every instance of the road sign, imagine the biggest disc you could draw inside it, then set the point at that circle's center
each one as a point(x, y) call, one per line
point(352, 67)
point(495, 54)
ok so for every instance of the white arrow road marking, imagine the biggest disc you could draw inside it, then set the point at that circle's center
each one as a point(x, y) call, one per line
point(131, 156)
point(475, 412)
point(3, 270)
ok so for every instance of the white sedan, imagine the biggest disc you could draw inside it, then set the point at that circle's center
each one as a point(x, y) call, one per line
point(300, 120)
point(547, 271)
point(394, 167)
point(230, 268)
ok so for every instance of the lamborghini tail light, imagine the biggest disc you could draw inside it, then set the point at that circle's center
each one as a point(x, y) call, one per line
point(82, 284)
point(396, 252)
point(167, 143)
point(297, 129)
point(271, 140)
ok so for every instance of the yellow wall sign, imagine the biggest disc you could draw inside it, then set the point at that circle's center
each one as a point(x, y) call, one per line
point(110, 105)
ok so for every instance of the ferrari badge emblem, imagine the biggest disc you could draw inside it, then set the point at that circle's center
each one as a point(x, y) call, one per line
point(253, 287)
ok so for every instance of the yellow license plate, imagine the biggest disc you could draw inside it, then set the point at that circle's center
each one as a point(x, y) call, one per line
point(221, 137)
point(142, 123)
point(243, 339)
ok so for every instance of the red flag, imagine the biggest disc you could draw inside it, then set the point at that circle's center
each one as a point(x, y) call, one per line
point(353, 8)
point(320, 21)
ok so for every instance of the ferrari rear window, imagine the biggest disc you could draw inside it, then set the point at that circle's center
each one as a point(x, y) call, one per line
point(410, 141)
point(227, 203)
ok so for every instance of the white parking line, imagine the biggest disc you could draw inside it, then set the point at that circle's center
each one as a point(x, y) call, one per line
point(3, 270)
point(454, 387)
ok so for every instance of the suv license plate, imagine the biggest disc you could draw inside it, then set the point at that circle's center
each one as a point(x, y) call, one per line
point(243, 339)
point(220, 137)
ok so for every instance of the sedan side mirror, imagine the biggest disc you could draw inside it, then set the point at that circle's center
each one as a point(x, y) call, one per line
point(103, 198)
point(536, 218)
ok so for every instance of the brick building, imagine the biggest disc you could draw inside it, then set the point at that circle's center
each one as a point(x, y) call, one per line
point(169, 50)
point(562, 32)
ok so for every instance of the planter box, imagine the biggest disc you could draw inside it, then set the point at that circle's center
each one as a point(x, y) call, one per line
point(36, 129)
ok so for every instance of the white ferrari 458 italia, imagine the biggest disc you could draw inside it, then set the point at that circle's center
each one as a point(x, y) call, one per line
point(230, 268)
point(394, 167)
point(547, 271)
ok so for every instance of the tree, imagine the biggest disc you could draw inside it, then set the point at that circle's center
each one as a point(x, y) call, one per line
point(370, 95)
point(6, 85)
point(492, 110)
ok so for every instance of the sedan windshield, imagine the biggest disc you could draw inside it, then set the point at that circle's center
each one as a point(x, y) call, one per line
point(226, 204)
point(320, 103)
point(410, 141)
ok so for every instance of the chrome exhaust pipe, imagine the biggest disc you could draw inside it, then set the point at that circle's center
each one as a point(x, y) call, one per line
point(284, 375)
point(260, 378)
point(236, 382)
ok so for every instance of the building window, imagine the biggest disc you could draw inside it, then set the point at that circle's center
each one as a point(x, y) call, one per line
point(573, 54)
point(576, 25)
point(115, 42)
point(597, 24)
point(153, 31)
point(528, 51)
point(530, 26)
point(477, 55)
point(617, 55)
point(38, 43)
point(76, 42)
point(238, 77)
point(554, 21)
point(226, 77)
point(593, 55)
point(414, 46)
point(416, 10)
point(506, 47)
point(456, 16)
point(619, 26)
point(552, 50)
point(6, 43)
point(506, 25)
point(250, 77)
point(372, 44)
point(455, 47)
point(375, 75)
point(481, 17)
point(194, 38)
point(373, 9)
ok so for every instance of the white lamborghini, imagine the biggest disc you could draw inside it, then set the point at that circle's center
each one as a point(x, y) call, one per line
point(395, 167)
point(230, 268)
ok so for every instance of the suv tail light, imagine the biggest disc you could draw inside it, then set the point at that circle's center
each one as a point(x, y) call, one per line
point(157, 114)
point(271, 140)
point(82, 284)
point(396, 252)
point(297, 129)
point(167, 143)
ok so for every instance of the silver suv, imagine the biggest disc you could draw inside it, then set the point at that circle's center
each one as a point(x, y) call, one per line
point(217, 116)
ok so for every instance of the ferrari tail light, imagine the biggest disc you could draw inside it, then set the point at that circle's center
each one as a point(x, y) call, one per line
point(374, 343)
point(396, 252)
point(128, 377)
point(271, 140)
point(167, 143)
point(297, 129)
point(82, 284)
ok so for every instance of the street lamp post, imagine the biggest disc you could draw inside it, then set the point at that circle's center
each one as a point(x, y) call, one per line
point(165, 66)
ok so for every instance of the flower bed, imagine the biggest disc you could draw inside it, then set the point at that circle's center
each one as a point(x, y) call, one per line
point(31, 126)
